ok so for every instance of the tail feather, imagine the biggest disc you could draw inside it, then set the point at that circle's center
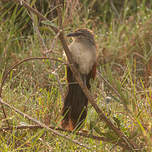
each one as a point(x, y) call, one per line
point(75, 103)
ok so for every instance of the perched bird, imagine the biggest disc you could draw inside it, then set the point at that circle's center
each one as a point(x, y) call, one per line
point(83, 51)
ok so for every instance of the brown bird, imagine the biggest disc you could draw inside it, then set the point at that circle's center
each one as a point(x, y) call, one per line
point(83, 51)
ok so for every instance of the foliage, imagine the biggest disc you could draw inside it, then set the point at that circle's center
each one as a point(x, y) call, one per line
point(123, 34)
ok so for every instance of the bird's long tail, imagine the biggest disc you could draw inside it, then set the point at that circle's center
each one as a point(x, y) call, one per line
point(75, 104)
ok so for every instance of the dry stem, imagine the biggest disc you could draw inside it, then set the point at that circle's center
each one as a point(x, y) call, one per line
point(42, 124)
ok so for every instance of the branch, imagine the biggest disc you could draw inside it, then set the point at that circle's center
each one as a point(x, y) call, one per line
point(6, 73)
point(102, 116)
point(4, 77)
point(42, 124)
point(115, 91)
point(60, 129)
point(26, 5)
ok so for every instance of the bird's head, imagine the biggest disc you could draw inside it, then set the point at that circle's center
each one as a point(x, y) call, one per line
point(82, 35)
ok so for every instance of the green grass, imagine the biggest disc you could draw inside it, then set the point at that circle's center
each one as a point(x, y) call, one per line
point(37, 87)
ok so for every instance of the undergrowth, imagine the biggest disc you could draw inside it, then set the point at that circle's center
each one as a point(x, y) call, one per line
point(37, 87)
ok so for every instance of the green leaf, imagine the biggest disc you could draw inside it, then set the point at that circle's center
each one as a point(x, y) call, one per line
point(49, 23)
point(98, 131)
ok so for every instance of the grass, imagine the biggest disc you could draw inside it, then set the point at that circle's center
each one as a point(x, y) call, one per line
point(37, 87)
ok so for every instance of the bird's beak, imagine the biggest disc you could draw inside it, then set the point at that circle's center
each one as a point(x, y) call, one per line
point(73, 34)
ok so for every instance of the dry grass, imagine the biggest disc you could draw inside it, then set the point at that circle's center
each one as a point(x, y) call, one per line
point(37, 87)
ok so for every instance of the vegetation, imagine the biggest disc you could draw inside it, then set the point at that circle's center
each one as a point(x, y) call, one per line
point(123, 33)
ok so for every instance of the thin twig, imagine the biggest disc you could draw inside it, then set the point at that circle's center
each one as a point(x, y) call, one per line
point(53, 44)
point(26, 5)
point(42, 124)
point(59, 14)
point(59, 82)
point(7, 72)
point(114, 8)
point(20, 62)
point(115, 91)
point(2, 106)
point(60, 129)
point(36, 29)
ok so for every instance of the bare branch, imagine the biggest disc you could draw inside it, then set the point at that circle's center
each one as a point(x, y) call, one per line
point(53, 44)
point(42, 124)
point(115, 91)
point(26, 5)
point(17, 64)
point(59, 14)
point(60, 129)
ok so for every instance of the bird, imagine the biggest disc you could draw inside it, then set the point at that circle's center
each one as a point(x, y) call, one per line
point(84, 54)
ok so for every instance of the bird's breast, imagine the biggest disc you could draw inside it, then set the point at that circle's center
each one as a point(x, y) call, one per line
point(84, 56)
